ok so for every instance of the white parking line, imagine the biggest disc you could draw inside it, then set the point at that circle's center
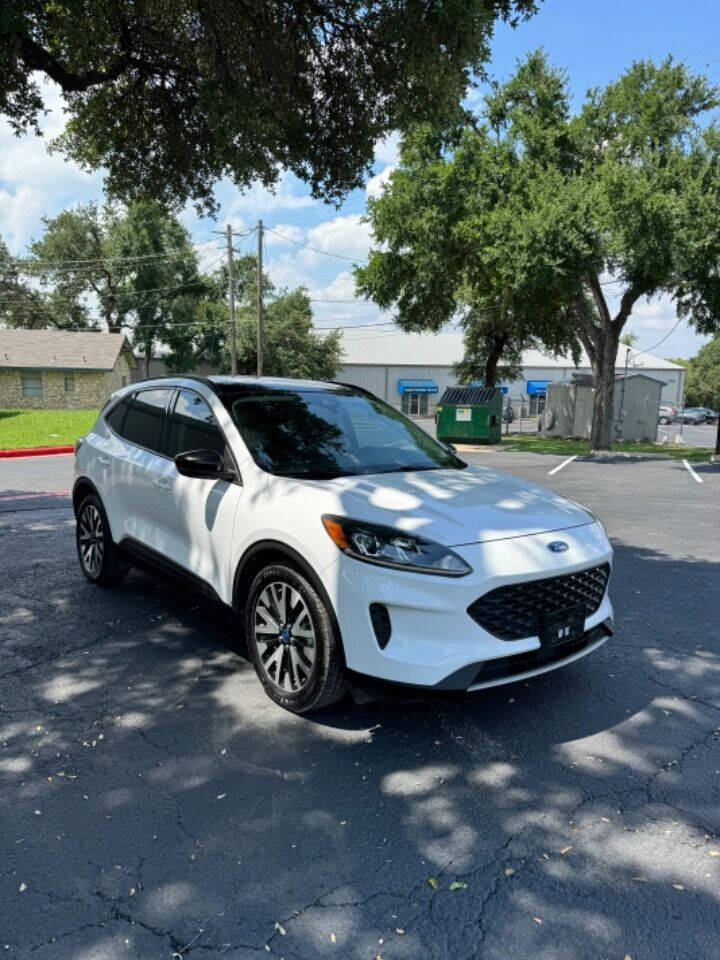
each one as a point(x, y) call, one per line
point(692, 472)
point(561, 465)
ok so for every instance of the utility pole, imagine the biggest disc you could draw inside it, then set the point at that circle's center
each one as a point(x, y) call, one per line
point(260, 318)
point(231, 303)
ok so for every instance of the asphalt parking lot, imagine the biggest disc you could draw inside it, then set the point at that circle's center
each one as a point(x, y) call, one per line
point(155, 804)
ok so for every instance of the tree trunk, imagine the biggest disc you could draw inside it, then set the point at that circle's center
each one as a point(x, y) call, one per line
point(493, 359)
point(600, 333)
point(603, 367)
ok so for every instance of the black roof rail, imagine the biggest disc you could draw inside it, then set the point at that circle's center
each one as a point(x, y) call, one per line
point(176, 376)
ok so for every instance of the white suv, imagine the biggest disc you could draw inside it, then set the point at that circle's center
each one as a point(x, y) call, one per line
point(359, 550)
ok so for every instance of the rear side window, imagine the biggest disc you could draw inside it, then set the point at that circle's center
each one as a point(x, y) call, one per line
point(193, 426)
point(116, 417)
point(144, 419)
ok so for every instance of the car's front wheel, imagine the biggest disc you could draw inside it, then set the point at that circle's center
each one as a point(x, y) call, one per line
point(98, 555)
point(292, 641)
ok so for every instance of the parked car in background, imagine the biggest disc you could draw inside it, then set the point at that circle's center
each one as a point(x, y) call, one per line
point(691, 415)
point(356, 549)
point(708, 415)
point(667, 414)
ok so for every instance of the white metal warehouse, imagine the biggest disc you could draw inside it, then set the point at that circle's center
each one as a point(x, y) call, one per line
point(411, 370)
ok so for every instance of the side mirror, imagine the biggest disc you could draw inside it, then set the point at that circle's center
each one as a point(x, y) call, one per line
point(203, 465)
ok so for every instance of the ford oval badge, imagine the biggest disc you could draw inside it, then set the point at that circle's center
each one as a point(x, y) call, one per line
point(557, 546)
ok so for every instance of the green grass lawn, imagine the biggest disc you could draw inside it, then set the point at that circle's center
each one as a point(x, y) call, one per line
point(536, 444)
point(43, 428)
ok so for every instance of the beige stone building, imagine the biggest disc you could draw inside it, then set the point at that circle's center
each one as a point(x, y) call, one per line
point(59, 370)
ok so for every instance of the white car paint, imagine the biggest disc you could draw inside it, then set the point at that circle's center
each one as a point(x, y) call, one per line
point(499, 524)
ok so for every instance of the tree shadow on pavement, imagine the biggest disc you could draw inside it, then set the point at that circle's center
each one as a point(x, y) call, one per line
point(154, 801)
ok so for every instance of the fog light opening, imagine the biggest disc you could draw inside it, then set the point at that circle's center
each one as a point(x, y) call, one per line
point(380, 619)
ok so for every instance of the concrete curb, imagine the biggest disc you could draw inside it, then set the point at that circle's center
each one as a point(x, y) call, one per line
point(34, 452)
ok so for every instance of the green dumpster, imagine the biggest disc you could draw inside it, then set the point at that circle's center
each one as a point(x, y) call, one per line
point(470, 415)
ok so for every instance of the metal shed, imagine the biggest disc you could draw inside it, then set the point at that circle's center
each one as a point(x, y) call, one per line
point(636, 403)
point(470, 415)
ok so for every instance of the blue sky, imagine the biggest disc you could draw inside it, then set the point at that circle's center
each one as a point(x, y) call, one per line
point(593, 41)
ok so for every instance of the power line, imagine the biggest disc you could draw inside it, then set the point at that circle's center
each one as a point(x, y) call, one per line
point(327, 253)
point(220, 324)
point(694, 53)
point(164, 255)
point(112, 293)
point(650, 349)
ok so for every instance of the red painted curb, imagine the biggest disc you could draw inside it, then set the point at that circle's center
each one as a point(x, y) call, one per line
point(34, 452)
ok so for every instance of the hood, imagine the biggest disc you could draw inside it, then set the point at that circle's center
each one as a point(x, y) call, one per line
point(452, 507)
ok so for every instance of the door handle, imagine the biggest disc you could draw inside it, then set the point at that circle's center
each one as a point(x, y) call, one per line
point(104, 461)
point(161, 483)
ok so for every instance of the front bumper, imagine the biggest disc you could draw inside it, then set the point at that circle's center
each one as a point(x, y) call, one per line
point(434, 642)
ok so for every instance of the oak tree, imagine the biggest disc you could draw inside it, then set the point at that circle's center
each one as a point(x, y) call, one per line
point(169, 97)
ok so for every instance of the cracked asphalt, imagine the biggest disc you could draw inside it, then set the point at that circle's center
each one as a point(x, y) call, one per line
point(155, 804)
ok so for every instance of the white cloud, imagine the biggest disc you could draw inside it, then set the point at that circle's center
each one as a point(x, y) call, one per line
point(341, 287)
point(387, 151)
point(283, 233)
point(345, 236)
point(288, 194)
point(656, 314)
point(375, 185)
point(34, 182)
point(20, 211)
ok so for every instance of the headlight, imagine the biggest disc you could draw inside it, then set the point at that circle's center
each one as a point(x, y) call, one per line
point(390, 547)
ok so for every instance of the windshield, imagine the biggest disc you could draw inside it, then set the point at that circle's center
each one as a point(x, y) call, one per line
point(319, 434)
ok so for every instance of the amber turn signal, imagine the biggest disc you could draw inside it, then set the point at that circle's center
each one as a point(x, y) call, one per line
point(335, 532)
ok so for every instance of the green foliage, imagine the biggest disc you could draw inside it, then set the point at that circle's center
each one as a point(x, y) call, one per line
point(291, 348)
point(20, 304)
point(137, 263)
point(169, 97)
point(512, 225)
point(702, 377)
point(79, 234)
point(629, 339)
point(471, 235)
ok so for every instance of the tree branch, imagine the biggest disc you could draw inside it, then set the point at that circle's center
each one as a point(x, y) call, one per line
point(627, 302)
point(599, 298)
point(36, 57)
point(586, 328)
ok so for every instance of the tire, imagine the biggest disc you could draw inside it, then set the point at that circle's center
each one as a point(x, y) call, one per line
point(300, 665)
point(99, 558)
point(664, 420)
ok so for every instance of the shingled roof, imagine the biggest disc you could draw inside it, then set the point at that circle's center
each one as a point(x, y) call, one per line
point(62, 350)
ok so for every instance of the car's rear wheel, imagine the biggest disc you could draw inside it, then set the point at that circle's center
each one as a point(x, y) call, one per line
point(99, 558)
point(292, 641)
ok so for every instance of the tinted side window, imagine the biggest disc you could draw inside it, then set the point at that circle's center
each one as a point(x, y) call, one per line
point(144, 419)
point(193, 426)
point(116, 417)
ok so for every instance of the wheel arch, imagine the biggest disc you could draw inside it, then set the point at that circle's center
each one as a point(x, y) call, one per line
point(81, 488)
point(265, 552)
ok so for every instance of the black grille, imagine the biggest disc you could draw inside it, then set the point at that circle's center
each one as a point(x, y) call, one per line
point(516, 611)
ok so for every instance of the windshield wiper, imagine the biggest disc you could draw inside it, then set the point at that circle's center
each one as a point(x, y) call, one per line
point(408, 468)
point(317, 474)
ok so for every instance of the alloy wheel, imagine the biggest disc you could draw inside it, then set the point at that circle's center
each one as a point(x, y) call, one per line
point(91, 539)
point(285, 637)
